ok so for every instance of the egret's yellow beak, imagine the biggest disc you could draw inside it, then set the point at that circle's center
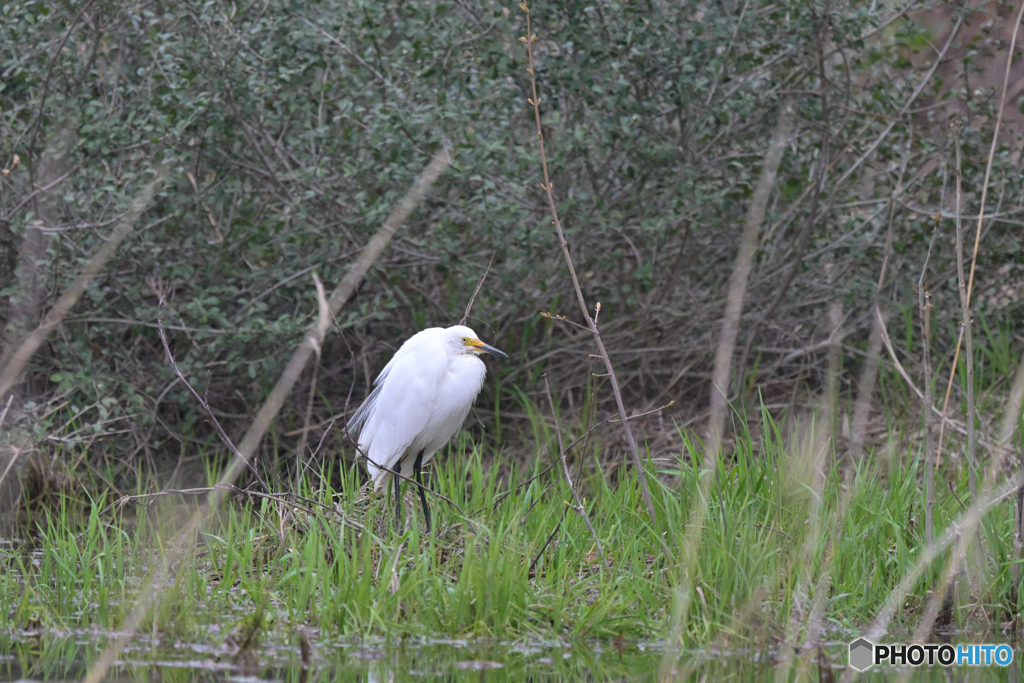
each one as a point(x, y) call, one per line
point(480, 347)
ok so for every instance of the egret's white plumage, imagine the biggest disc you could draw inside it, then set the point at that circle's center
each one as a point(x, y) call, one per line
point(420, 399)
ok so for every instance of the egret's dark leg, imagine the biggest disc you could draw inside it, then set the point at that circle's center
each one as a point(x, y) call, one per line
point(418, 473)
point(397, 483)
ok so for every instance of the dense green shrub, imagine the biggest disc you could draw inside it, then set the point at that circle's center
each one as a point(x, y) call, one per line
point(291, 129)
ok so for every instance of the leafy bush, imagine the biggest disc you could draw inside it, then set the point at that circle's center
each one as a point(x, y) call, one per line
point(291, 129)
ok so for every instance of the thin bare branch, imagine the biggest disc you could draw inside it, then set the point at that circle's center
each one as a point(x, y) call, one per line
point(924, 303)
point(476, 291)
point(202, 401)
point(591, 322)
point(955, 125)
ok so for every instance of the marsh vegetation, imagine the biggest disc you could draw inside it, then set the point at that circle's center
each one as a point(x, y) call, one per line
point(757, 268)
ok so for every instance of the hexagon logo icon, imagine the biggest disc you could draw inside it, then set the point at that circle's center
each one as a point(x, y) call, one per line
point(862, 653)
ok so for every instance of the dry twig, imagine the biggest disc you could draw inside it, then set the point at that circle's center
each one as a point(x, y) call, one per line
point(591, 322)
point(206, 406)
point(981, 211)
point(955, 125)
point(924, 302)
point(469, 306)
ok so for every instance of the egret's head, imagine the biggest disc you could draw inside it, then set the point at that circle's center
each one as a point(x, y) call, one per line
point(466, 341)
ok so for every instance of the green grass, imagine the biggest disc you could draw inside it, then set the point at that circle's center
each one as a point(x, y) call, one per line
point(771, 544)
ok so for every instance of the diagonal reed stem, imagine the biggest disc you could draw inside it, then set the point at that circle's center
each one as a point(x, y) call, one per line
point(16, 362)
point(741, 274)
point(148, 595)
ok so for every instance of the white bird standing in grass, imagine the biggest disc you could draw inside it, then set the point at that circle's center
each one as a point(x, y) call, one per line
point(418, 403)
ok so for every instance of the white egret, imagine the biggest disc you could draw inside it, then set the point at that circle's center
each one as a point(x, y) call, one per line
point(419, 401)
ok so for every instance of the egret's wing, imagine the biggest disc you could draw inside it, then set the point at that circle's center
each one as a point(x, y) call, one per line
point(402, 405)
point(415, 345)
point(364, 411)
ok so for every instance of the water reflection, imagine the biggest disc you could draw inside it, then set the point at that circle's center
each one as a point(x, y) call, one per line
point(49, 657)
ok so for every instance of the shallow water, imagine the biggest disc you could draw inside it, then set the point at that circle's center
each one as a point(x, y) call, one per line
point(35, 656)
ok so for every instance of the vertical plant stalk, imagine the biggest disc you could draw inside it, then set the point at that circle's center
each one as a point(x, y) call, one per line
point(568, 476)
point(924, 302)
point(15, 364)
point(955, 126)
point(835, 357)
point(591, 323)
point(981, 216)
point(741, 274)
point(962, 531)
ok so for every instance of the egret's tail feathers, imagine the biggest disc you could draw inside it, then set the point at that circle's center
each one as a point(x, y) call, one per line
point(378, 477)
